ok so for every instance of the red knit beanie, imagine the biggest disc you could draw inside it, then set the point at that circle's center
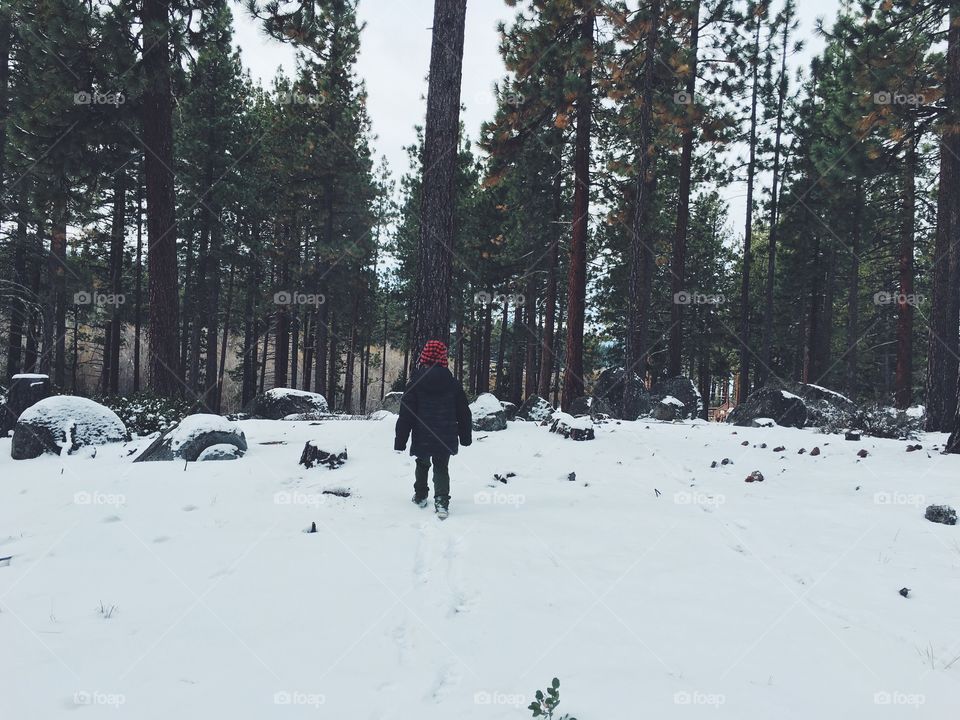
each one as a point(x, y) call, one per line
point(434, 353)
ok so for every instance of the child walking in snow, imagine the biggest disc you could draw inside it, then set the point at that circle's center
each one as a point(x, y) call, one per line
point(434, 408)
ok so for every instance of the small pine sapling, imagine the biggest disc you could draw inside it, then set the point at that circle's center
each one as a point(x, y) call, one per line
point(545, 705)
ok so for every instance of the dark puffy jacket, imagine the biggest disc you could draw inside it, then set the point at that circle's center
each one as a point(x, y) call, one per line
point(434, 408)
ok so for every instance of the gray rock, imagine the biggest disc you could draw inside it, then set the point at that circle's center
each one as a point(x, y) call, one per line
point(609, 388)
point(509, 410)
point(488, 415)
point(535, 409)
point(665, 412)
point(279, 403)
point(25, 390)
point(587, 405)
point(220, 452)
point(943, 514)
point(64, 423)
point(391, 402)
point(579, 429)
point(683, 389)
point(785, 408)
point(189, 439)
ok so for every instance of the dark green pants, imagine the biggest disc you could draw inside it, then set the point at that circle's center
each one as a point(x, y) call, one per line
point(441, 476)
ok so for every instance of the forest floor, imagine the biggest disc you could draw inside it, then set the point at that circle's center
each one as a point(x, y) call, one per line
point(652, 585)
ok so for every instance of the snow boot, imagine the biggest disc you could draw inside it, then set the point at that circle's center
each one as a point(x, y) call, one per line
point(420, 500)
point(442, 505)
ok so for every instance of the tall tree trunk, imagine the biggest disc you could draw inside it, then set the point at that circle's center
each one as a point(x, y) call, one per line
point(383, 356)
point(530, 341)
point(577, 275)
point(853, 294)
point(320, 363)
point(903, 384)
point(484, 384)
point(334, 368)
point(55, 334)
point(516, 362)
point(138, 289)
point(641, 230)
point(431, 313)
point(743, 387)
point(18, 306)
point(212, 315)
point(157, 107)
point(678, 259)
point(226, 335)
point(117, 237)
point(767, 345)
point(943, 344)
point(547, 358)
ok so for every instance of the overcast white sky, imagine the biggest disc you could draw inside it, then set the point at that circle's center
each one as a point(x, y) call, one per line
point(395, 57)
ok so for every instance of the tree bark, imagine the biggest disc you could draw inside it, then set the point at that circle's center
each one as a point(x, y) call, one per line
point(679, 256)
point(441, 141)
point(943, 343)
point(903, 383)
point(743, 388)
point(157, 100)
point(577, 275)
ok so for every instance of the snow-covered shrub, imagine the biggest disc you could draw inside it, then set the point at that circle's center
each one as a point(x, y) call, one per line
point(888, 422)
point(144, 413)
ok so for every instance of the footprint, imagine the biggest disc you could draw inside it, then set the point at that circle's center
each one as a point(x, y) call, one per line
point(161, 539)
point(189, 508)
point(447, 681)
point(112, 519)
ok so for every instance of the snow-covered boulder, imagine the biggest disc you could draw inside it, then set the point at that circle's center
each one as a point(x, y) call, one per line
point(313, 454)
point(223, 451)
point(781, 406)
point(194, 434)
point(573, 428)
point(62, 425)
point(609, 388)
point(509, 409)
point(535, 409)
point(590, 406)
point(488, 415)
point(826, 408)
point(668, 409)
point(25, 390)
point(282, 403)
point(682, 389)
point(888, 422)
point(763, 423)
point(391, 402)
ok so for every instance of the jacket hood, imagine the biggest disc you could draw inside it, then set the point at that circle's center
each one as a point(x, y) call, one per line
point(433, 379)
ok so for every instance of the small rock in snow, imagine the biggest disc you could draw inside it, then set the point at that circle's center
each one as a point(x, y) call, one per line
point(943, 514)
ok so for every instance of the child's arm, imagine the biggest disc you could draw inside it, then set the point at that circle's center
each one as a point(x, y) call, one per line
point(464, 418)
point(408, 411)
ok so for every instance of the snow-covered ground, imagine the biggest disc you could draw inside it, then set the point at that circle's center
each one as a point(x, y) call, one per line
point(652, 585)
